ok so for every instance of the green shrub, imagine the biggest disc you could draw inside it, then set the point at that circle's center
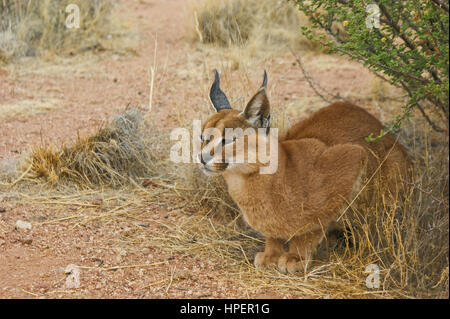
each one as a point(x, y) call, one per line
point(409, 47)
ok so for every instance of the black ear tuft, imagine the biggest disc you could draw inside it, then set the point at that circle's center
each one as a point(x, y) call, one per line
point(264, 84)
point(218, 98)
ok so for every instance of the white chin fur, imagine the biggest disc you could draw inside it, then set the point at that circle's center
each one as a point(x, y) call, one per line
point(208, 172)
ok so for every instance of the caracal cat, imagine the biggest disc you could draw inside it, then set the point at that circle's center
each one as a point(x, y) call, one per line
point(320, 163)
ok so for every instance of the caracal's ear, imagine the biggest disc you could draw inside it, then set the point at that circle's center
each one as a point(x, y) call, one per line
point(257, 111)
point(218, 98)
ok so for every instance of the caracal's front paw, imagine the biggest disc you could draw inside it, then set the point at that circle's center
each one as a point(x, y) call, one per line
point(291, 263)
point(265, 260)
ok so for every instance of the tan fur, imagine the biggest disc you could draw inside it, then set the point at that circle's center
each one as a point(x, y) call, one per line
point(347, 123)
point(320, 162)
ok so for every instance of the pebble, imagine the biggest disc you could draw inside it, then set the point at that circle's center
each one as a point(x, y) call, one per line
point(20, 224)
point(73, 276)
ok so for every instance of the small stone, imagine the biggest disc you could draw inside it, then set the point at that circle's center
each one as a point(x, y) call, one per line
point(2, 209)
point(73, 278)
point(20, 224)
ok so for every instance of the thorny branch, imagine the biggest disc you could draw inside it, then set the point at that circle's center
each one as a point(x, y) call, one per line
point(440, 201)
point(313, 84)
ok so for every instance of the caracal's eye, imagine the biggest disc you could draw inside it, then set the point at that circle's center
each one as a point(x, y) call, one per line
point(228, 141)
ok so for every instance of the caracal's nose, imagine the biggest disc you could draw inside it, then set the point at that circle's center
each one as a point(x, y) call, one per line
point(204, 158)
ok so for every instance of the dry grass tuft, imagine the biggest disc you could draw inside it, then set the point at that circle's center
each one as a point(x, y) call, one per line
point(406, 237)
point(115, 155)
point(272, 24)
point(38, 28)
point(205, 196)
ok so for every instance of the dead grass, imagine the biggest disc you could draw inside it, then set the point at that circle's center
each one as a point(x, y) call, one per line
point(38, 28)
point(262, 25)
point(117, 154)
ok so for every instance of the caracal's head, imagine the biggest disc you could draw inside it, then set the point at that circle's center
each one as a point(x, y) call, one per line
point(230, 137)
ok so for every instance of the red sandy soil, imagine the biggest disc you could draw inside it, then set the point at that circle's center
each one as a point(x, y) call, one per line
point(31, 262)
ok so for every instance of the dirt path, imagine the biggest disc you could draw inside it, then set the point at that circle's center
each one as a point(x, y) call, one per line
point(78, 94)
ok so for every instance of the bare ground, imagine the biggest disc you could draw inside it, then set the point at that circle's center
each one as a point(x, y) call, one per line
point(75, 96)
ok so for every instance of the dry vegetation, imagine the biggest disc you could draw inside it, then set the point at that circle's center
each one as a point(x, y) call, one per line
point(407, 237)
point(112, 157)
point(38, 28)
point(261, 25)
